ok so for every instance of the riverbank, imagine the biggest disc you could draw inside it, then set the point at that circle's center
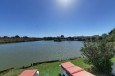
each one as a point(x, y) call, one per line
point(17, 40)
point(52, 68)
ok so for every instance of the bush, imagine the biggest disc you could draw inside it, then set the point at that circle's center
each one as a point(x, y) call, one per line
point(99, 54)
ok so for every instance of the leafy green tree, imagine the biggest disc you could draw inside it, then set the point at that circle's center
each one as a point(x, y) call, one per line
point(111, 36)
point(99, 54)
point(25, 37)
point(17, 36)
point(5, 37)
point(104, 36)
point(62, 36)
point(112, 31)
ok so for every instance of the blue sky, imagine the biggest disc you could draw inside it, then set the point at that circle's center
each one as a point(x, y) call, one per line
point(41, 18)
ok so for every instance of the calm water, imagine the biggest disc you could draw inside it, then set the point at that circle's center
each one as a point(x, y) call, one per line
point(23, 54)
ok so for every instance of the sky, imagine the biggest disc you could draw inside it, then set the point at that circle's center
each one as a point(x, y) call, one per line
point(41, 18)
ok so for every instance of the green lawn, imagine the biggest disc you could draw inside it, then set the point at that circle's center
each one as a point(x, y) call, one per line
point(51, 69)
point(47, 69)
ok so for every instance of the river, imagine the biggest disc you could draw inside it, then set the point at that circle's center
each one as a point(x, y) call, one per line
point(16, 55)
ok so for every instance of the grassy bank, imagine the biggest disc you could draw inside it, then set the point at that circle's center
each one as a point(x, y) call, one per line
point(16, 40)
point(52, 69)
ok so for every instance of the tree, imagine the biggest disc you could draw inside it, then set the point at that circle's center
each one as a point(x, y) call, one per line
point(62, 36)
point(111, 36)
point(104, 36)
point(25, 37)
point(99, 54)
point(112, 31)
point(70, 38)
point(5, 37)
point(17, 36)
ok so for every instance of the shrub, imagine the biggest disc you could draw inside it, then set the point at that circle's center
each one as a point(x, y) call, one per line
point(99, 54)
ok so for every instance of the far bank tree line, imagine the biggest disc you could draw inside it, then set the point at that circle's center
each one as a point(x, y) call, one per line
point(110, 37)
point(15, 39)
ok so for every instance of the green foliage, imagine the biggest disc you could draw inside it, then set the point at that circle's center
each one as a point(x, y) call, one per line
point(17, 36)
point(17, 39)
point(112, 31)
point(99, 54)
point(47, 69)
point(111, 36)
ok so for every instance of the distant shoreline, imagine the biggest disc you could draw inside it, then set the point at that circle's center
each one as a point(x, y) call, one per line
point(17, 40)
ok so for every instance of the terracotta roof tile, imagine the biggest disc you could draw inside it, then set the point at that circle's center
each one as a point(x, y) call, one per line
point(67, 65)
point(74, 69)
point(83, 73)
point(28, 73)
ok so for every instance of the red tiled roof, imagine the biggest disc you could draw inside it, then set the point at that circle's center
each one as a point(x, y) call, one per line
point(83, 73)
point(28, 73)
point(74, 69)
point(67, 65)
